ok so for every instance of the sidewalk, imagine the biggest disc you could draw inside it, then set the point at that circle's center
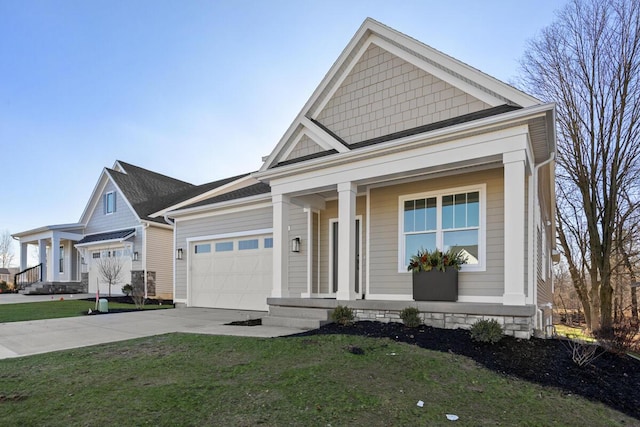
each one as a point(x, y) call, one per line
point(41, 336)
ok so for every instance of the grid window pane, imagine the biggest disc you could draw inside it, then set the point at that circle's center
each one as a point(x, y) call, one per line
point(464, 240)
point(268, 242)
point(460, 211)
point(473, 209)
point(415, 242)
point(409, 216)
point(447, 212)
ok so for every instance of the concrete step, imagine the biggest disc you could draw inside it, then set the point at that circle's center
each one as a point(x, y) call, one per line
point(291, 322)
point(300, 312)
point(45, 288)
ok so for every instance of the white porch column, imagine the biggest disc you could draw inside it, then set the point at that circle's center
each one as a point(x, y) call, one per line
point(280, 284)
point(42, 254)
point(346, 241)
point(23, 255)
point(514, 227)
point(55, 257)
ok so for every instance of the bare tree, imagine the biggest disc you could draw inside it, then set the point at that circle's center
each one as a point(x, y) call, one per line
point(588, 62)
point(6, 249)
point(110, 268)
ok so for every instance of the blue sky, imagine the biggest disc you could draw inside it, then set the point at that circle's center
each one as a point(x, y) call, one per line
point(197, 90)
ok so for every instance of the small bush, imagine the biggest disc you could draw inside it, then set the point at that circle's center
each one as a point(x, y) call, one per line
point(127, 289)
point(582, 352)
point(486, 331)
point(4, 287)
point(411, 317)
point(342, 315)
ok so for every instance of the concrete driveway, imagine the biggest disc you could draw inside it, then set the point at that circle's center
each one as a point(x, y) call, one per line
point(42, 336)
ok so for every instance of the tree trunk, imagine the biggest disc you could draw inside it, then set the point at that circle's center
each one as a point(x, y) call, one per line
point(634, 303)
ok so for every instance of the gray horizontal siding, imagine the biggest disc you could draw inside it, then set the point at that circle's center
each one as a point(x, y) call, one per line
point(383, 258)
point(123, 217)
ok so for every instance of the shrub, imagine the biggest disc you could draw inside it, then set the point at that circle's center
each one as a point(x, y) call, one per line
point(127, 289)
point(486, 331)
point(342, 315)
point(411, 317)
point(582, 352)
point(4, 287)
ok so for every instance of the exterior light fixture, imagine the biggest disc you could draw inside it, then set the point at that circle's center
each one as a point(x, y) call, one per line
point(295, 244)
point(179, 253)
point(135, 256)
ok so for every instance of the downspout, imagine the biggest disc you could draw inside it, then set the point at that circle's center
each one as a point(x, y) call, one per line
point(536, 170)
point(173, 258)
point(145, 225)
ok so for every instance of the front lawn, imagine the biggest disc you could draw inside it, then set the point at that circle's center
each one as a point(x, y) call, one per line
point(338, 380)
point(55, 309)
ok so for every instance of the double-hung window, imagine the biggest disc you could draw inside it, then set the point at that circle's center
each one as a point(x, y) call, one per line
point(449, 219)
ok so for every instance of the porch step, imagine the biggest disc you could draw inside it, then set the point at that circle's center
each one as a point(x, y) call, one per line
point(297, 317)
point(47, 288)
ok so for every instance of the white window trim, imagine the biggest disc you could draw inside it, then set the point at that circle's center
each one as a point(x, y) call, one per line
point(106, 202)
point(482, 232)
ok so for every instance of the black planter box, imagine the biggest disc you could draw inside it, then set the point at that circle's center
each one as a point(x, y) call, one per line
point(436, 285)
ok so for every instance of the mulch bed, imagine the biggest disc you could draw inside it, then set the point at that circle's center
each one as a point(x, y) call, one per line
point(611, 378)
point(125, 300)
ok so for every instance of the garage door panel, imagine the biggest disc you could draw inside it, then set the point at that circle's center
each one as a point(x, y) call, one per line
point(238, 279)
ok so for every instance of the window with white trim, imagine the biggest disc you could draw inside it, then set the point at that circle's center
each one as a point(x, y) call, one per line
point(110, 202)
point(447, 219)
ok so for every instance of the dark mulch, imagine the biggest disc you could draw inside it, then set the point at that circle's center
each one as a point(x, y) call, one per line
point(125, 300)
point(128, 300)
point(612, 379)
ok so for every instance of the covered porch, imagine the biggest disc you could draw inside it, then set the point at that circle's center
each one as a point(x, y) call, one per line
point(49, 261)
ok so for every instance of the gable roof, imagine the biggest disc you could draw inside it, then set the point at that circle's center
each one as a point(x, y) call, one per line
point(145, 190)
point(254, 190)
point(352, 73)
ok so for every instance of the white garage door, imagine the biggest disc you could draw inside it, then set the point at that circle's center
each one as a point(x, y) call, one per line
point(231, 273)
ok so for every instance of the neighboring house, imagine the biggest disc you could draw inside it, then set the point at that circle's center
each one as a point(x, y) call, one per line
point(400, 147)
point(5, 275)
point(115, 228)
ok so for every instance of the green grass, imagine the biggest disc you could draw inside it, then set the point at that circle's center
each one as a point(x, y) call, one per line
point(55, 309)
point(194, 380)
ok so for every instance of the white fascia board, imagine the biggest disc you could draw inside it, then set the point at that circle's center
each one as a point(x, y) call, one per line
point(123, 197)
point(362, 32)
point(249, 202)
point(156, 224)
point(440, 73)
point(457, 66)
point(97, 189)
point(243, 182)
point(513, 118)
point(321, 137)
point(479, 148)
point(47, 228)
